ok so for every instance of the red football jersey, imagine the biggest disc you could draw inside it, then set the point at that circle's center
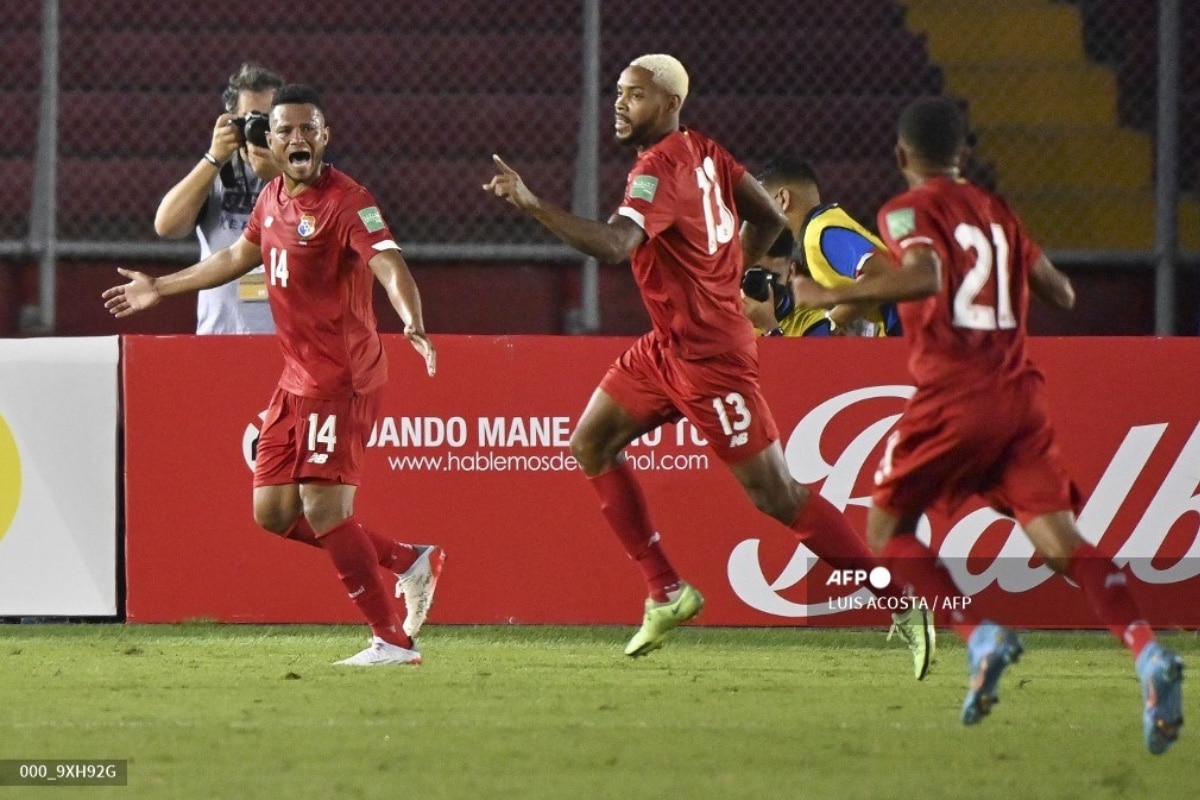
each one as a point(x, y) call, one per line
point(315, 247)
point(972, 332)
point(689, 269)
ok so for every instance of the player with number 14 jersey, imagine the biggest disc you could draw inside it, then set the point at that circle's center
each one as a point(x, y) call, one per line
point(317, 245)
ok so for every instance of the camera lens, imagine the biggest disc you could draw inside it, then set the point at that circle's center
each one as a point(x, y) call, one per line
point(257, 126)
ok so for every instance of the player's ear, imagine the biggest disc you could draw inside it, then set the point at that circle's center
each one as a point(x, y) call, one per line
point(901, 157)
point(784, 198)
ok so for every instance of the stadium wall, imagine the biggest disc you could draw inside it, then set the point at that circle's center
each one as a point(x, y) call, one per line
point(476, 459)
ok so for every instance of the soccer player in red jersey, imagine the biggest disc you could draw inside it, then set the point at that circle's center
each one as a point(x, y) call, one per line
point(977, 423)
point(324, 241)
point(678, 224)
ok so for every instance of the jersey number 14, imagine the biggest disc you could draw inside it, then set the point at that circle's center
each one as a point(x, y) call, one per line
point(278, 267)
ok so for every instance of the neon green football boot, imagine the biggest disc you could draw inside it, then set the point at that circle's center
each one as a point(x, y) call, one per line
point(662, 618)
point(915, 627)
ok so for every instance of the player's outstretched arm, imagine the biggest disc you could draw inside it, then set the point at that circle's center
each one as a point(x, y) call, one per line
point(144, 292)
point(1050, 285)
point(392, 271)
point(919, 275)
point(610, 242)
point(844, 315)
point(763, 220)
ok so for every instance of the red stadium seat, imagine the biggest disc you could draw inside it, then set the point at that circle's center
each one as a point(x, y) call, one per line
point(299, 16)
point(693, 15)
point(758, 126)
point(18, 191)
point(368, 61)
point(20, 59)
point(888, 60)
point(18, 122)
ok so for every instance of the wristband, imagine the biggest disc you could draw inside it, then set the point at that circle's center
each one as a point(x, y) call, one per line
point(210, 158)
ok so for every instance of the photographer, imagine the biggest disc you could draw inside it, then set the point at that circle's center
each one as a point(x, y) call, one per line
point(219, 193)
point(767, 294)
point(832, 247)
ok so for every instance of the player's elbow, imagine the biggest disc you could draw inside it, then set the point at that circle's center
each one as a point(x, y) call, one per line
point(167, 228)
point(1066, 299)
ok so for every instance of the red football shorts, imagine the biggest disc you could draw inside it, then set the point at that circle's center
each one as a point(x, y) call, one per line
point(996, 443)
point(307, 439)
point(719, 395)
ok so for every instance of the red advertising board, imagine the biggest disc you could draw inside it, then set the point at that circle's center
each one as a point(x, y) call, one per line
point(476, 459)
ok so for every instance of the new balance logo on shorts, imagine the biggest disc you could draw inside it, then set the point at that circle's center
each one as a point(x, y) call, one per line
point(318, 458)
point(739, 439)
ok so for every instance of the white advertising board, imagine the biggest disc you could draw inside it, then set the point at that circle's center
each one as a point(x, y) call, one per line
point(58, 476)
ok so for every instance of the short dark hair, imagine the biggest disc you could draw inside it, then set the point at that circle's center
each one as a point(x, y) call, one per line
point(249, 78)
point(935, 128)
point(788, 168)
point(298, 94)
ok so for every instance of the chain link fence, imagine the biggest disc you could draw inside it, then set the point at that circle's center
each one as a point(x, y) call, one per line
point(419, 95)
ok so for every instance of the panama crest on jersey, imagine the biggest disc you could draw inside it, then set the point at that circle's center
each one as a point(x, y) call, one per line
point(307, 226)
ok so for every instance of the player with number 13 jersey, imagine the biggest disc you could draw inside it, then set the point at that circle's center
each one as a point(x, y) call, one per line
point(680, 193)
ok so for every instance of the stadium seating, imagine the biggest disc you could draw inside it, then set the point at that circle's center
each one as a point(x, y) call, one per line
point(375, 61)
point(418, 100)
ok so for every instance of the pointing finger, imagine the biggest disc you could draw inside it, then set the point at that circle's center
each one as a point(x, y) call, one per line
point(505, 168)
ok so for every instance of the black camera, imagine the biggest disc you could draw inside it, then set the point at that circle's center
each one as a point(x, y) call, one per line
point(758, 282)
point(252, 128)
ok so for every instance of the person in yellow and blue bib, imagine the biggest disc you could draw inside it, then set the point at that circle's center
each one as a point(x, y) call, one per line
point(833, 249)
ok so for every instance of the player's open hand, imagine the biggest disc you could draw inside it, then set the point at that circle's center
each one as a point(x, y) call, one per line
point(423, 345)
point(139, 294)
point(508, 184)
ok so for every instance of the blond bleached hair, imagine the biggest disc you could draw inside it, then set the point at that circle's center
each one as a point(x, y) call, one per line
point(668, 73)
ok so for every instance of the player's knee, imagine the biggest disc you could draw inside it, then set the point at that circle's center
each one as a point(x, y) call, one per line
point(779, 502)
point(877, 540)
point(589, 452)
point(274, 520)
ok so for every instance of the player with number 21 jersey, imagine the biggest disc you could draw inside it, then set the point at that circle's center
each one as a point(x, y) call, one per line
point(971, 333)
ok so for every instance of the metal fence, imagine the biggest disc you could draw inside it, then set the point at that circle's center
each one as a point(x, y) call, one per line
point(106, 103)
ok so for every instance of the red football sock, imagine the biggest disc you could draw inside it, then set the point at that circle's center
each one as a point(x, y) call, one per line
point(350, 549)
point(917, 565)
point(389, 554)
point(624, 506)
point(1107, 590)
point(825, 531)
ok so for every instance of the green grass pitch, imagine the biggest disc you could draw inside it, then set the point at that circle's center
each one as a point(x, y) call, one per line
point(240, 711)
